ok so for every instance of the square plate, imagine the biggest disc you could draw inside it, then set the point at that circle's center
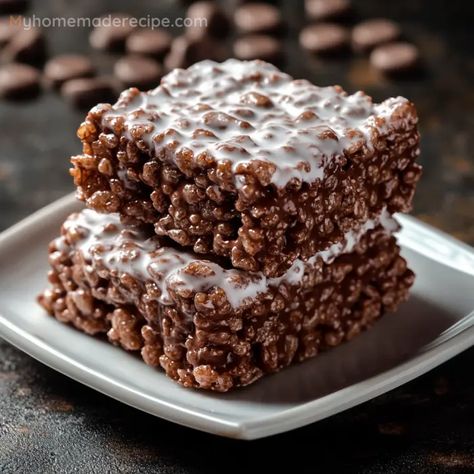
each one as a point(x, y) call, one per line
point(433, 326)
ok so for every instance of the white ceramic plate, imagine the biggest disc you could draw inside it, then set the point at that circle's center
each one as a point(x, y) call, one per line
point(433, 326)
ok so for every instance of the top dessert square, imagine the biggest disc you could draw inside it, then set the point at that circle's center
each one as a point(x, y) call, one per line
point(240, 160)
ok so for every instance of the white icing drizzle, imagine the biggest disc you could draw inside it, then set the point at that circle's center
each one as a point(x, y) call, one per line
point(218, 98)
point(101, 238)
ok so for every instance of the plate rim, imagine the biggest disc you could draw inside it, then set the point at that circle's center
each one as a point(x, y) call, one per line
point(268, 425)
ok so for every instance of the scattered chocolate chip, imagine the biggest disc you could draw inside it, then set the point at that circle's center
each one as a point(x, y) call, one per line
point(7, 31)
point(258, 18)
point(263, 47)
point(13, 6)
point(371, 33)
point(26, 46)
point(186, 51)
point(395, 58)
point(327, 9)
point(112, 32)
point(324, 38)
point(180, 55)
point(154, 43)
point(19, 81)
point(138, 71)
point(84, 93)
point(66, 67)
point(207, 19)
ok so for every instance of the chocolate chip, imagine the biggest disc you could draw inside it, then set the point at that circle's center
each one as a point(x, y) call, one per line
point(186, 51)
point(138, 71)
point(258, 18)
point(26, 46)
point(263, 47)
point(324, 38)
point(369, 34)
point(395, 58)
point(87, 92)
point(19, 81)
point(66, 67)
point(13, 6)
point(206, 19)
point(112, 32)
point(155, 43)
point(327, 9)
point(7, 31)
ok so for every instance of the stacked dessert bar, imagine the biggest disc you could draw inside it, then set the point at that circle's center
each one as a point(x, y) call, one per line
point(238, 221)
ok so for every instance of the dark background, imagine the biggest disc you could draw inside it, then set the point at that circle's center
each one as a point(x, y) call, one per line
point(49, 423)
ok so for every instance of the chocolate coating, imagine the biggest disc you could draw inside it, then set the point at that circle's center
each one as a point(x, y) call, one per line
point(7, 31)
point(215, 24)
point(110, 36)
point(371, 33)
point(258, 18)
point(137, 71)
point(264, 47)
point(395, 58)
point(66, 67)
point(155, 43)
point(85, 92)
point(186, 51)
point(324, 38)
point(322, 10)
point(26, 46)
point(18, 81)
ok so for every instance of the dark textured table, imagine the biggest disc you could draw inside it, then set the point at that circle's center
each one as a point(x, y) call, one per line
point(49, 423)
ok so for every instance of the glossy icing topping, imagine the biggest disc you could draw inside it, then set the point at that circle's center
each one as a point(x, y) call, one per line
point(239, 111)
point(103, 240)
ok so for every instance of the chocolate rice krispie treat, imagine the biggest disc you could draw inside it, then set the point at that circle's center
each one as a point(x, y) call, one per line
point(240, 160)
point(214, 327)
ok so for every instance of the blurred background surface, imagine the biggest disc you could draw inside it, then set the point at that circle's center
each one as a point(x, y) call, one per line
point(48, 422)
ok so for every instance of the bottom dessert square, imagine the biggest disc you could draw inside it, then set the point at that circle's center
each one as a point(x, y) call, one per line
point(210, 326)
